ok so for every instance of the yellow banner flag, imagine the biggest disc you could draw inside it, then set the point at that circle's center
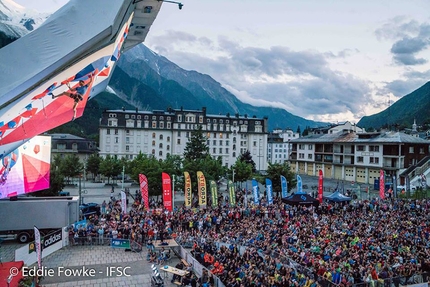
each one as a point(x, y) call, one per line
point(201, 182)
point(187, 191)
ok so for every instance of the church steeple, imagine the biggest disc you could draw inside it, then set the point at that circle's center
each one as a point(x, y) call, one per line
point(414, 126)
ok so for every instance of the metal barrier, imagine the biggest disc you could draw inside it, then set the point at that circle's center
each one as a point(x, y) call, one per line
point(396, 281)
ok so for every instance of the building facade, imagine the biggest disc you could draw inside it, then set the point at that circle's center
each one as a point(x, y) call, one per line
point(126, 133)
point(63, 144)
point(357, 157)
point(278, 145)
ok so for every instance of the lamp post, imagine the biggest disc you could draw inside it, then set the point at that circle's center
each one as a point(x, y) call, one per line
point(122, 184)
point(173, 192)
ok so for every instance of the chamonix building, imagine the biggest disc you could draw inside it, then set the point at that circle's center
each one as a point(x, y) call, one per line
point(126, 133)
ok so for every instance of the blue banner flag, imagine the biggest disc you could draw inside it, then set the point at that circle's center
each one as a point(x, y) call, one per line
point(269, 191)
point(255, 192)
point(299, 184)
point(284, 186)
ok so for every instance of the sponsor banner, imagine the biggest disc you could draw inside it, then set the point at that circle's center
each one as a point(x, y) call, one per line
point(47, 241)
point(232, 193)
point(320, 186)
point(38, 243)
point(201, 182)
point(214, 193)
point(120, 243)
point(269, 191)
point(187, 190)
point(167, 191)
point(299, 184)
point(381, 184)
point(255, 192)
point(144, 190)
point(123, 202)
point(284, 186)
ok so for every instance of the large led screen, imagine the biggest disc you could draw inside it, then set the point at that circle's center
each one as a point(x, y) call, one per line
point(26, 169)
point(60, 99)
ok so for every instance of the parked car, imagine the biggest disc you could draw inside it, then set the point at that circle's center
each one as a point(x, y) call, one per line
point(88, 209)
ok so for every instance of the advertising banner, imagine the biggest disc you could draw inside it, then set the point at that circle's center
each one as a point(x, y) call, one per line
point(167, 191)
point(232, 193)
point(320, 186)
point(255, 192)
point(187, 190)
point(123, 202)
point(284, 186)
point(381, 184)
point(214, 193)
point(144, 190)
point(201, 182)
point(120, 243)
point(299, 184)
point(269, 191)
point(37, 241)
point(47, 241)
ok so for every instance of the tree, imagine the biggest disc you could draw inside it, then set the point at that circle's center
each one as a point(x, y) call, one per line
point(56, 178)
point(299, 130)
point(71, 166)
point(196, 148)
point(247, 158)
point(110, 167)
point(274, 172)
point(93, 165)
point(242, 170)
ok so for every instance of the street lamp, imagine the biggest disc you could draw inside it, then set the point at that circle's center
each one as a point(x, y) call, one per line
point(180, 5)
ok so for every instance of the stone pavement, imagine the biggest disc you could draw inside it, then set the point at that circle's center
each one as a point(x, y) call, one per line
point(111, 267)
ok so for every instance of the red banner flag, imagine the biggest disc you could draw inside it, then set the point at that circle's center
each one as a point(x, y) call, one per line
point(144, 190)
point(320, 186)
point(381, 185)
point(167, 191)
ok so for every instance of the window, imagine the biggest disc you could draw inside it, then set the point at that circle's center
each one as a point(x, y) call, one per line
point(153, 135)
point(220, 150)
point(153, 152)
point(146, 117)
point(310, 147)
point(214, 135)
point(301, 155)
point(127, 148)
point(309, 156)
point(127, 132)
point(179, 141)
point(179, 118)
point(160, 153)
point(214, 142)
point(161, 137)
point(179, 133)
point(127, 140)
point(127, 116)
point(160, 145)
point(214, 150)
point(154, 125)
point(154, 118)
point(374, 148)
point(411, 149)
point(301, 146)
point(169, 125)
point(116, 131)
point(361, 148)
point(374, 160)
point(234, 154)
point(168, 147)
point(108, 131)
point(147, 9)
point(139, 117)
point(161, 125)
point(360, 159)
point(168, 138)
point(421, 150)
point(61, 146)
point(153, 143)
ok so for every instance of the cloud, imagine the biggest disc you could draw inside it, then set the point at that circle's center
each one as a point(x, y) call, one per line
point(410, 81)
point(410, 37)
point(302, 82)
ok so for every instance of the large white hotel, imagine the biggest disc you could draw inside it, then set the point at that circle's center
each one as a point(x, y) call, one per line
point(126, 133)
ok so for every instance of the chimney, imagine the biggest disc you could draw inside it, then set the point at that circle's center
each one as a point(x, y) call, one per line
point(204, 111)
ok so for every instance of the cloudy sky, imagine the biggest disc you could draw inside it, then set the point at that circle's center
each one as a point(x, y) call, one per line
point(325, 60)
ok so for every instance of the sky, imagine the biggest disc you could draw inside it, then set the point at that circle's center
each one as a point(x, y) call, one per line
point(324, 60)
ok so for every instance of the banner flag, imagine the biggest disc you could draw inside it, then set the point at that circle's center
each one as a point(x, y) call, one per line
point(245, 204)
point(123, 202)
point(144, 190)
point(299, 184)
point(269, 191)
point(187, 190)
point(167, 191)
point(201, 182)
point(232, 193)
point(284, 186)
point(255, 192)
point(214, 193)
point(381, 184)
point(320, 186)
point(37, 242)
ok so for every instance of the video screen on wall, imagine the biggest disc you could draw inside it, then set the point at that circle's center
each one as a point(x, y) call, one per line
point(27, 168)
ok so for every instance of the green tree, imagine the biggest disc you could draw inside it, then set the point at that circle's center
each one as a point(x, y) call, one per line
point(242, 171)
point(93, 165)
point(274, 172)
point(71, 166)
point(110, 167)
point(56, 178)
point(196, 148)
point(247, 158)
point(151, 168)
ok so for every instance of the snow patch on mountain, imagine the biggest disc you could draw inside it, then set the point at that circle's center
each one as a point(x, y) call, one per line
point(17, 21)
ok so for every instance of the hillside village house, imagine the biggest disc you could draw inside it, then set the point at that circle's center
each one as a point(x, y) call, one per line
point(126, 133)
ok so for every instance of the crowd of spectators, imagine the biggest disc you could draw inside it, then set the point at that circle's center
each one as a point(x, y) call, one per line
point(279, 245)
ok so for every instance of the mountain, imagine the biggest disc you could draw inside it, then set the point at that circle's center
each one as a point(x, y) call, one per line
point(17, 21)
point(414, 106)
point(150, 81)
